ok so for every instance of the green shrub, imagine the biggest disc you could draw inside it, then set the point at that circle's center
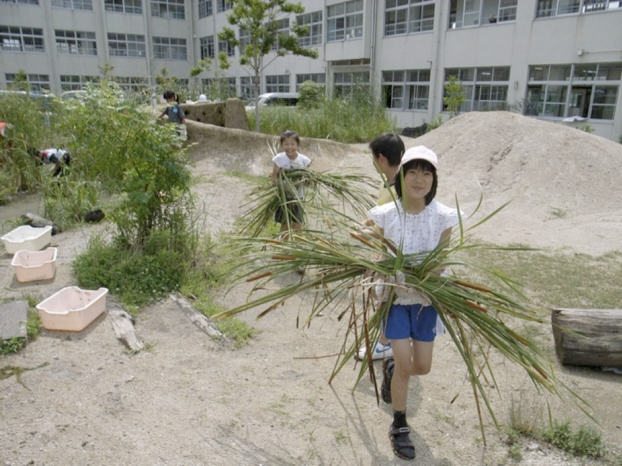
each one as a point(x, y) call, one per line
point(137, 276)
point(311, 95)
point(66, 200)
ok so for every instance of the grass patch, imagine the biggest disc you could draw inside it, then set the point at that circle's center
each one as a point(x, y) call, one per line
point(357, 119)
point(211, 266)
point(561, 280)
point(582, 442)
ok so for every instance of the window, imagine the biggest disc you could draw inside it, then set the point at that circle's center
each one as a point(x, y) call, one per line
point(277, 83)
point(224, 46)
point(27, 2)
point(344, 20)
point(126, 45)
point(131, 84)
point(345, 84)
point(75, 82)
point(207, 47)
point(124, 6)
point(584, 90)
point(169, 9)
point(76, 42)
point(37, 82)
point(485, 88)
point(247, 89)
point(205, 8)
point(169, 48)
point(223, 5)
point(281, 28)
point(565, 7)
point(467, 13)
point(406, 16)
point(406, 90)
point(73, 4)
point(21, 39)
point(313, 23)
point(319, 78)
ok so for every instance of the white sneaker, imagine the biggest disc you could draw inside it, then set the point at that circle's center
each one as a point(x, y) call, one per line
point(380, 351)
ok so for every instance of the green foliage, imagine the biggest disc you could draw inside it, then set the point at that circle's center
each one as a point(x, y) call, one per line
point(166, 82)
point(66, 200)
point(28, 131)
point(20, 82)
point(583, 442)
point(257, 21)
point(435, 123)
point(343, 120)
point(454, 95)
point(211, 265)
point(118, 144)
point(587, 128)
point(137, 276)
point(312, 95)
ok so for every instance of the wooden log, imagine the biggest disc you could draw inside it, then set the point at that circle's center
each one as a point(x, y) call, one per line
point(588, 337)
point(123, 326)
point(201, 321)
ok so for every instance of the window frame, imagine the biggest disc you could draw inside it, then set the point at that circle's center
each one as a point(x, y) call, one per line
point(339, 19)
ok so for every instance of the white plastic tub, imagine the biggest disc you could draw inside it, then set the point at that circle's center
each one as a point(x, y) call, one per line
point(31, 266)
point(27, 237)
point(72, 308)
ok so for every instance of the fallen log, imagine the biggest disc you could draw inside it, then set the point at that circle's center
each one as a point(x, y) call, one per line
point(198, 319)
point(123, 326)
point(588, 337)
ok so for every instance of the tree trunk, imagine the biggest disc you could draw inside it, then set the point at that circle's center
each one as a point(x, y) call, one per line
point(588, 337)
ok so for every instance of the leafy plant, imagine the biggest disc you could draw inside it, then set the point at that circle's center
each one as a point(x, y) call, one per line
point(311, 95)
point(257, 22)
point(454, 95)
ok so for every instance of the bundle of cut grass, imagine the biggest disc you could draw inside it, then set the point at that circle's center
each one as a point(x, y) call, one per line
point(343, 272)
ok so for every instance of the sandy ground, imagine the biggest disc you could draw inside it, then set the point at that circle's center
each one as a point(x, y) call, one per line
point(188, 400)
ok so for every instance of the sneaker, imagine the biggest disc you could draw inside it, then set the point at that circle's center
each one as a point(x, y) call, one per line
point(387, 371)
point(380, 352)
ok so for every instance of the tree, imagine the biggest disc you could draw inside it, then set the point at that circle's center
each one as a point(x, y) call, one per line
point(259, 36)
point(454, 95)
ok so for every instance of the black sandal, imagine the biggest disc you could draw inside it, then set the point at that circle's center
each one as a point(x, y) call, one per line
point(401, 443)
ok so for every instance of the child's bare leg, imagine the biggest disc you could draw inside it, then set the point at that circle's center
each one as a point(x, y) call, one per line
point(411, 358)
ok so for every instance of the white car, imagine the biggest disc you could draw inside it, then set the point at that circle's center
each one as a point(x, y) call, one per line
point(284, 99)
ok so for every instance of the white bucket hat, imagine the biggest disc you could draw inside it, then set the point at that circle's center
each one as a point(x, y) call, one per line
point(419, 152)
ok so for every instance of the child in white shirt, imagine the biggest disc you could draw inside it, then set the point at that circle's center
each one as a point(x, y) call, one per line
point(416, 223)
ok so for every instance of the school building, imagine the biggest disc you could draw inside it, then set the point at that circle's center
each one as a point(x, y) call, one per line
point(551, 59)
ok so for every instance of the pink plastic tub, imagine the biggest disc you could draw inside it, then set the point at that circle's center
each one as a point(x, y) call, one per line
point(31, 266)
point(72, 308)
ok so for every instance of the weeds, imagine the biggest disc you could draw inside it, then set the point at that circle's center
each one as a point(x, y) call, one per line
point(344, 120)
point(582, 442)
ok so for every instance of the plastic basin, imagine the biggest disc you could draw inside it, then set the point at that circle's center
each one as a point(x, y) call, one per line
point(28, 238)
point(31, 266)
point(72, 308)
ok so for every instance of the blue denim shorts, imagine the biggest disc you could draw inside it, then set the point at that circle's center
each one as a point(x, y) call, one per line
point(411, 321)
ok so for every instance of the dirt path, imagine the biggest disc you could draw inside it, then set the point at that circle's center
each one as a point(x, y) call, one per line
point(188, 400)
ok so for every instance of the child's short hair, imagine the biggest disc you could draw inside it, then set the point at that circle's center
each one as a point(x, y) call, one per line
point(168, 95)
point(390, 145)
point(289, 134)
point(423, 165)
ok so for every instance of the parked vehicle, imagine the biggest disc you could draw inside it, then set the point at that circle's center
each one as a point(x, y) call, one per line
point(285, 99)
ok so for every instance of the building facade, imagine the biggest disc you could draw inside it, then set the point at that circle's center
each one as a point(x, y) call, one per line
point(551, 59)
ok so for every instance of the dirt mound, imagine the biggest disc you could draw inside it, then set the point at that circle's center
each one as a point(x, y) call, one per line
point(563, 183)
